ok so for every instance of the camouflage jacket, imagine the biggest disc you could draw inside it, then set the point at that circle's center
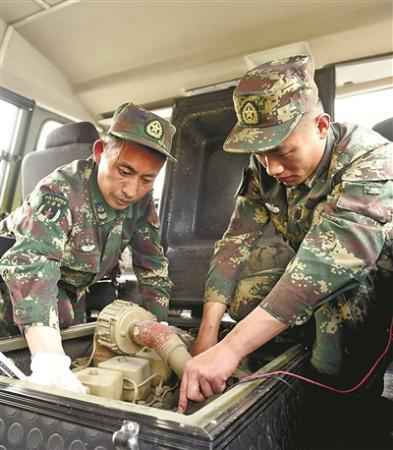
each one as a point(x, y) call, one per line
point(339, 222)
point(66, 232)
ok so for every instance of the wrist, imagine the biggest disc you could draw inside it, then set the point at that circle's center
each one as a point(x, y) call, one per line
point(252, 332)
point(57, 362)
point(228, 352)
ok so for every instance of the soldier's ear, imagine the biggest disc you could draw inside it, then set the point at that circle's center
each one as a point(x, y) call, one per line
point(98, 148)
point(323, 123)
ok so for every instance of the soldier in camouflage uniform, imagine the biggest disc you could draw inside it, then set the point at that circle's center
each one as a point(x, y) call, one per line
point(310, 234)
point(72, 229)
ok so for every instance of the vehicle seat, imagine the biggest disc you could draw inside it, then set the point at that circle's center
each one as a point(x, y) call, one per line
point(63, 145)
point(385, 128)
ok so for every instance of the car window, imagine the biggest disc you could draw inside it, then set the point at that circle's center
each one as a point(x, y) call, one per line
point(9, 125)
point(165, 113)
point(366, 108)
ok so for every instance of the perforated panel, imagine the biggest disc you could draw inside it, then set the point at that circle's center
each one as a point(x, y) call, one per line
point(23, 430)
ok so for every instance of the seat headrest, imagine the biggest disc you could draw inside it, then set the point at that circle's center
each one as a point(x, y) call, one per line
point(385, 128)
point(72, 133)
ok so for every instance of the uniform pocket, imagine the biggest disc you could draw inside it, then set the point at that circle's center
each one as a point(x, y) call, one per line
point(374, 200)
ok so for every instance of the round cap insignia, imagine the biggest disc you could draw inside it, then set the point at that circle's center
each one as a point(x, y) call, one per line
point(250, 114)
point(154, 129)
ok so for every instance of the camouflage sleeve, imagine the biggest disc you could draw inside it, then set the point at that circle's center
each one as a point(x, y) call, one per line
point(344, 242)
point(31, 268)
point(245, 227)
point(151, 265)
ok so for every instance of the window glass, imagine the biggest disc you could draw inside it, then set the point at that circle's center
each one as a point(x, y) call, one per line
point(158, 187)
point(47, 128)
point(165, 113)
point(366, 108)
point(9, 122)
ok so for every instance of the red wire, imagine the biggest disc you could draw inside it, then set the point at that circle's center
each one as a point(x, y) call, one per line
point(325, 386)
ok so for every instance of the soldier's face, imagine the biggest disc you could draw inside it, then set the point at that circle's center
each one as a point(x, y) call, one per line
point(126, 172)
point(299, 155)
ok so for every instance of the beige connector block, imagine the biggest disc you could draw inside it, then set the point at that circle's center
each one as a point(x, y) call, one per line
point(157, 365)
point(102, 382)
point(135, 371)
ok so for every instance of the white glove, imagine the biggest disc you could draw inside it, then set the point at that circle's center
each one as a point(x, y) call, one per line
point(53, 369)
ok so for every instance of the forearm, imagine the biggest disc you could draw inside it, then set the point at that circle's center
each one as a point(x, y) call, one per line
point(211, 318)
point(252, 332)
point(326, 262)
point(43, 339)
point(210, 325)
point(151, 270)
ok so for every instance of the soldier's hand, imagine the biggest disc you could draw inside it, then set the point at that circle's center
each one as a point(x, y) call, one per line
point(206, 374)
point(53, 369)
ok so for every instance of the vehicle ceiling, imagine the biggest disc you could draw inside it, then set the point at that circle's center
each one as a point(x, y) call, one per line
point(151, 51)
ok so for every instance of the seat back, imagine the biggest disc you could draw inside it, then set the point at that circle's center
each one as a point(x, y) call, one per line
point(63, 145)
point(199, 190)
point(385, 128)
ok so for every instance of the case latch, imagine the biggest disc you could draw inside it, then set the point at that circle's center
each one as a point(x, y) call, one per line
point(127, 437)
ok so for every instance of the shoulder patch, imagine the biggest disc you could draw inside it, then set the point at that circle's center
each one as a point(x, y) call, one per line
point(50, 207)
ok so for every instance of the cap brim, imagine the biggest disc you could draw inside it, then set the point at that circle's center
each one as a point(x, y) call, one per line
point(144, 142)
point(250, 140)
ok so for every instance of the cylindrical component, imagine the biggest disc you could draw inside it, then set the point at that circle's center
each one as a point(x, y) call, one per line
point(164, 341)
point(113, 325)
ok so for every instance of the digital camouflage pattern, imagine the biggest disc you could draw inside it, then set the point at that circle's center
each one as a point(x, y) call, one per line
point(133, 123)
point(264, 121)
point(265, 265)
point(339, 226)
point(67, 238)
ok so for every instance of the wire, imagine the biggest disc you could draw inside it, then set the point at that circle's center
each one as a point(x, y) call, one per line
point(317, 383)
point(83, 363)
point(135, 388)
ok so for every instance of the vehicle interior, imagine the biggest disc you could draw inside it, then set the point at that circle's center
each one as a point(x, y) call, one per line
point(65, 65)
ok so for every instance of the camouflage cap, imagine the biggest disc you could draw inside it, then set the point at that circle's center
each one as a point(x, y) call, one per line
point(269, 101)
point(133, 123)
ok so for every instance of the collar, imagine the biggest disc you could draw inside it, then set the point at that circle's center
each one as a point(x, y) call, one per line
point(102, 211)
